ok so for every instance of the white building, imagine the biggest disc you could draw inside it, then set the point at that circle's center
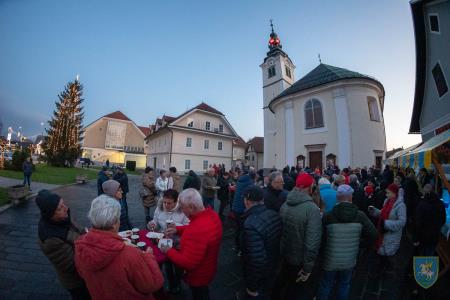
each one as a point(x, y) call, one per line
point(330, 115)
point(196, 139)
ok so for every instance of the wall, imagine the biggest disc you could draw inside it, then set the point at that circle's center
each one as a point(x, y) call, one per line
point(178, 161)
point(179, 144)
point(366, 135)
point(200, 118)
point(436, 110)
point(95, 135)
point(302, 137)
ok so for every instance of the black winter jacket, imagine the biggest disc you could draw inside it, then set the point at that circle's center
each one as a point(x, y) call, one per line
point(430, 217)
point(260, 245)
point(273, 199)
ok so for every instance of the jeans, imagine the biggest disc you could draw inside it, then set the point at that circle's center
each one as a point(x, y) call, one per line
point(27, 179)
point(207, 201)
point(200, 292)
point(340, 279)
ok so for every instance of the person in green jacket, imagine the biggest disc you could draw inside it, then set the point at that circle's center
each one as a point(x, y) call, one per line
point(345, 229)
point(300, 241)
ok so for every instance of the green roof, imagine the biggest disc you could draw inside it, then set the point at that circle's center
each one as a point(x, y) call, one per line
point(321, 75)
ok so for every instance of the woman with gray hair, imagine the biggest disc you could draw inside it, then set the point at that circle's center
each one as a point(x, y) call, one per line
point(199, 244)
point(111, 268)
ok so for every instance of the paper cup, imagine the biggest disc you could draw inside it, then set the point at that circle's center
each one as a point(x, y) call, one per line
point(142, 245)
point(134, 239)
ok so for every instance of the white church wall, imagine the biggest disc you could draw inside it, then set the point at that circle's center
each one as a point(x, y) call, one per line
point(367, 136)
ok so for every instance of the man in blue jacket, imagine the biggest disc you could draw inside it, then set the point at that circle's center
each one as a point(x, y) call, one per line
point(260, 244)
point(238, 208)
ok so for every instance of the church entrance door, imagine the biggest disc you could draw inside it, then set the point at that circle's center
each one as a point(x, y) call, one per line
point(315, 159)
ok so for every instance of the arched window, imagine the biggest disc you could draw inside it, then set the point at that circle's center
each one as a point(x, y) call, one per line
point(373, 109)
point(313, 114)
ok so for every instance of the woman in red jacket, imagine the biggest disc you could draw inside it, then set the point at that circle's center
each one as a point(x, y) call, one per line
point(199, 244)
point(110, 268)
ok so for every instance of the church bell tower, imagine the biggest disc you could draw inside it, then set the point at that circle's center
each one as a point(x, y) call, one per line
point(278, 74)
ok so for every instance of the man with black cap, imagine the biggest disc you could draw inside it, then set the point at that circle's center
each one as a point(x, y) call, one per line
point(57, 235)
point(260, 242)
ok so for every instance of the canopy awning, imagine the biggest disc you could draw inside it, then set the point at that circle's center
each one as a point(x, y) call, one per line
point(421, 156)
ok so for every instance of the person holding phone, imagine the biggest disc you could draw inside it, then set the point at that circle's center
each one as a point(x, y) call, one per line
point(391, 220)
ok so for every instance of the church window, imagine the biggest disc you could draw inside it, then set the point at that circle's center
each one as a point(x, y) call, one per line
point(439, 80)
point(313, 114)
point(208, 125)
point(373, 109)
point(288, 72)
point(272, 71)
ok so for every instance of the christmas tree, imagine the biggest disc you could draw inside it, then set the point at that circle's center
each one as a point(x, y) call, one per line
point(62, 146)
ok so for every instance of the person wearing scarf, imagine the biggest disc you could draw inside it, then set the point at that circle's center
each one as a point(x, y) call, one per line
point(57, 235)
point(391, 220)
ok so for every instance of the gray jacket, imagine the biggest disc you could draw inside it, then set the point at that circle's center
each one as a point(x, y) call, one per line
point(393, 226)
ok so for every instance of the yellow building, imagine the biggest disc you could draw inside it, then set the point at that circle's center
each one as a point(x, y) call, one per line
point(116, 138)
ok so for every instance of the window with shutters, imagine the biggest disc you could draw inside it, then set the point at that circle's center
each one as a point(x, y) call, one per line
point(271, 71)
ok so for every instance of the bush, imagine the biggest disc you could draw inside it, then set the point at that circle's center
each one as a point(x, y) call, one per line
point(131, 165)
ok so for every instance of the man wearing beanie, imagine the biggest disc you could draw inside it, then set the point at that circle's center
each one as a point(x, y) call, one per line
point(344, 228)
point(260, 243)
point(300, 240)
point(57, 235)
point(112, 189)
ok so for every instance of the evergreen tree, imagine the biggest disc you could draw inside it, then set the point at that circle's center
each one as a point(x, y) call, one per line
point(62, 146)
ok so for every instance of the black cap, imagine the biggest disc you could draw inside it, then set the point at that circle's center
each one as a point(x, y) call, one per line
point(254, 193)
point(47, 202)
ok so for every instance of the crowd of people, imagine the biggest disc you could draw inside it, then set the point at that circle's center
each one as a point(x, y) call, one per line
point(299, 232)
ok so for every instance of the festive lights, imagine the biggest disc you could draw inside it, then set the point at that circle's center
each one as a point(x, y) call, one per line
point(62, 146)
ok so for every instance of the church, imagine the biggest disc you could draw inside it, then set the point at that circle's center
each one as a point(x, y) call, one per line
point(331, 116)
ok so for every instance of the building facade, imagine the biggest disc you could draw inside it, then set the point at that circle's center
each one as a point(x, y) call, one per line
point(239, 152)
point(255, 152)
point(116, 138)
point(195, 140)
point(330, 116)
point(431, 111)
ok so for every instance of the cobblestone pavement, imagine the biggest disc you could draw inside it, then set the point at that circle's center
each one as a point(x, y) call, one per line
point(26, 274)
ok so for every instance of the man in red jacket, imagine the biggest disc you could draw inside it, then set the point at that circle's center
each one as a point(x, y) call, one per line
point(199, 244)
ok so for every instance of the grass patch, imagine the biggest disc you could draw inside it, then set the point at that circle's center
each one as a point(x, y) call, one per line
point(52, 175)
point(3, 196)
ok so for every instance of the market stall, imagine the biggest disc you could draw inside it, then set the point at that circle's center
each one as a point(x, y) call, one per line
point(434, 154)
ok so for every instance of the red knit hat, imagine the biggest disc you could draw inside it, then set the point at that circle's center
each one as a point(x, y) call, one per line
point(393, 188)
point(304, 180)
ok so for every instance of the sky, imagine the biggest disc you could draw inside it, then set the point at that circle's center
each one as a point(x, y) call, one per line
point(149, 58)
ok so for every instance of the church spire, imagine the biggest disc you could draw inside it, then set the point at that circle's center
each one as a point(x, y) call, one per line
point(274, 40)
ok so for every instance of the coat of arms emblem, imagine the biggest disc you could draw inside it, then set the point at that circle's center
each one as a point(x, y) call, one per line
point(426, 270)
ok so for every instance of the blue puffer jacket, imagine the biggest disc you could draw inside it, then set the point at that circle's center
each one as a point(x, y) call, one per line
point(242, 184)
point(260, 240)
point(328, 196)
